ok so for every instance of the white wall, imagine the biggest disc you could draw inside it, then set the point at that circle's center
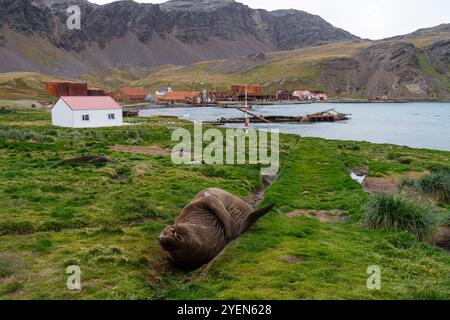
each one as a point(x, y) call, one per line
point(62, 115)
point(97, 118)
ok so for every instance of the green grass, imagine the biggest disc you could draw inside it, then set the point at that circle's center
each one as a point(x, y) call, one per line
point(431, 71)
point(106, 219)
point(436, 184)
point(397, 213)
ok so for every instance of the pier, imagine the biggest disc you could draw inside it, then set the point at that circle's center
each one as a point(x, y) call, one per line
point(330, 115)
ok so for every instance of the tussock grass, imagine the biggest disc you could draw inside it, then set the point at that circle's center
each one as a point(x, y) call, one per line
point(10, 265)
point(435, 185)
point(397, 213)
point(22, 135)
point(407, 183)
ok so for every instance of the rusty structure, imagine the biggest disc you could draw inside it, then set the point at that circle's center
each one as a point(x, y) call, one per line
point(66, 88)
point(96, 92)
point(283, 95)
point(252, 90)
point(330, 115)
point(249, 92)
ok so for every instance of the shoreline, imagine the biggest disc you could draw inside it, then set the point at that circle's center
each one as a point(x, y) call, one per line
point(274, 103)
point(27, 103)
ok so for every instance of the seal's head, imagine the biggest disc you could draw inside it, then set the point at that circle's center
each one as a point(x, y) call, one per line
point(183, 245)
point(173, 237)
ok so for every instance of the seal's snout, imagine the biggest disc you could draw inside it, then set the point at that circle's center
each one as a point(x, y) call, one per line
point(168, 242)
point(165, 242)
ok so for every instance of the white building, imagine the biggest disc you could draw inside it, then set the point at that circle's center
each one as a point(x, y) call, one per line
point(86, 112)
point(163, 91)
point(303, 95)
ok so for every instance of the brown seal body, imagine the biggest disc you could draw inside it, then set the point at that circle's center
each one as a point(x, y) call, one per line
point(91, 159)
point(206, 226)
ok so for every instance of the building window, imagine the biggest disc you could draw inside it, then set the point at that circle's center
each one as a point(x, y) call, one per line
point(85, 117)
point(111, 116)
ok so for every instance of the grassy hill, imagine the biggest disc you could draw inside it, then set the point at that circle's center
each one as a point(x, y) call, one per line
point(343, 69)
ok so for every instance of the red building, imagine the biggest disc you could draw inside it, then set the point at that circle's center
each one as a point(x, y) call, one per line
point(131, 95)
point(179, 96)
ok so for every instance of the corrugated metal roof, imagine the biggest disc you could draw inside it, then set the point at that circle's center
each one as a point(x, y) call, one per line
point(91, 103)
point(128, 91)
point(179, 95)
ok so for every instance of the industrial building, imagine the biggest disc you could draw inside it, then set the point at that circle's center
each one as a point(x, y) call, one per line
point(179, 97)
point(93, 92)
point(131, 95)
point(252, 90)
point(66, 88)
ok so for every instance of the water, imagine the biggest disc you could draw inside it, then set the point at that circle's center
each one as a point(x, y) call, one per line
point(418, 125)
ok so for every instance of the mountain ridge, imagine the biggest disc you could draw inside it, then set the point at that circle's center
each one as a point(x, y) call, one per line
point(147, 35)
point(217, 43)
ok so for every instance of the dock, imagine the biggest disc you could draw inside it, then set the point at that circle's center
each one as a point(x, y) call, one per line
point(330, 115)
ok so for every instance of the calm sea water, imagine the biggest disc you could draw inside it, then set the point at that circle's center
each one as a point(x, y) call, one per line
point(417, 125)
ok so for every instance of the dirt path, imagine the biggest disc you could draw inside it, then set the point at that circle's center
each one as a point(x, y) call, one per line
point(147, 150)
point(326, 216)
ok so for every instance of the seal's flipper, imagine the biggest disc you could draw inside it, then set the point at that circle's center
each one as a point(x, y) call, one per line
point(213, 204)
point(256, 215)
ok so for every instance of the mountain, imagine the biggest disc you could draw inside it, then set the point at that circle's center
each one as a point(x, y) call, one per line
point(437, 31)
point(417, 67)
point(394, 69)
point(34, 36)
point(214, 42)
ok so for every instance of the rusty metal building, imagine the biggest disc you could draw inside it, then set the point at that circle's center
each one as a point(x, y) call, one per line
point(96, 92)
point(252, 90)
point(66, 88)
point(130, 95)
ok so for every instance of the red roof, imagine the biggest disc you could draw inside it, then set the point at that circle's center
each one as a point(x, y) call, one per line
point(179, 95)
point(91, 103)
point(128, 91)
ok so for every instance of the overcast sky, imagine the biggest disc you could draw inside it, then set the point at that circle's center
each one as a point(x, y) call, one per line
point(373, 19)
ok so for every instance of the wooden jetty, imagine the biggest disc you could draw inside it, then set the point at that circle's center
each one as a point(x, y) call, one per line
point(330, 115)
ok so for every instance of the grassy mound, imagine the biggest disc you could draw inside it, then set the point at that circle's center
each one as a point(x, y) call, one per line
point(394, 212)
point(435, 185)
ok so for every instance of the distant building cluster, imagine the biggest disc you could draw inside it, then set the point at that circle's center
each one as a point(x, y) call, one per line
point(166, 95)
point(301, 95)
point(80, 106)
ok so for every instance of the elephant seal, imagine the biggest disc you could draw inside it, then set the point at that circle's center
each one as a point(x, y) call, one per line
point(91, 159)
point(206, 226)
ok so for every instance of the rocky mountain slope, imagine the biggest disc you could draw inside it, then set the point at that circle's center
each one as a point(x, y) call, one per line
point(391, 69)
point(217, 43)
point(416, 67)
point(34, 35)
